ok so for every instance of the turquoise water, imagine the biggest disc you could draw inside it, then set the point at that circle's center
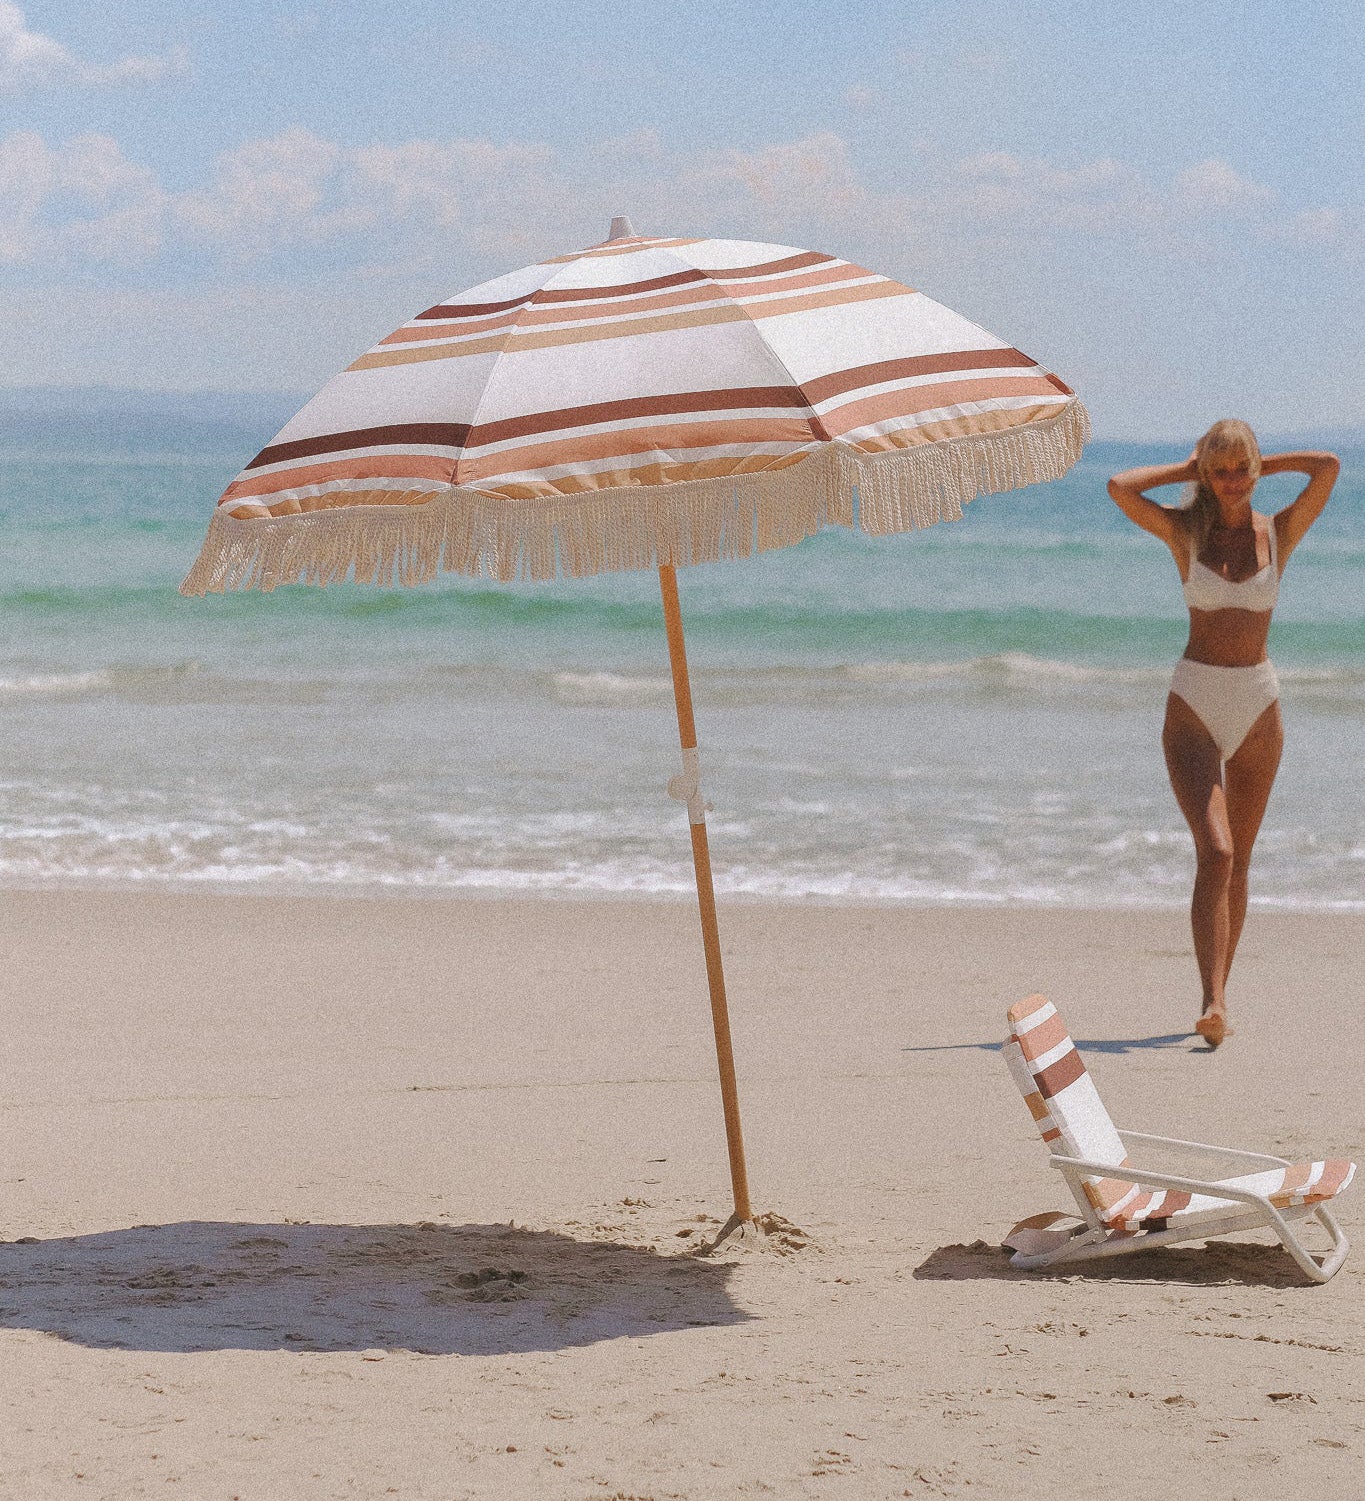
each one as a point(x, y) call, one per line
point(969, 713)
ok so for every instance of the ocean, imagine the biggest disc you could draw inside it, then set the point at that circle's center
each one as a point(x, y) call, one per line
point(969, 714)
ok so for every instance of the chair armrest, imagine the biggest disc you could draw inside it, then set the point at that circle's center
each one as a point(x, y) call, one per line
point(1180, 1147)
point(1145, 1178)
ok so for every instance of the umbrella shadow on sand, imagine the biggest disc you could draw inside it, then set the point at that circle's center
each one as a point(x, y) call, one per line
point(434, 1289)
point(1218, 1263)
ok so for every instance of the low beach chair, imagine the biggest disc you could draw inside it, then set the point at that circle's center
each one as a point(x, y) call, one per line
point(1125, 1206)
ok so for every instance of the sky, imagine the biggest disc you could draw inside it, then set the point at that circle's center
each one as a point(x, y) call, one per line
point(1165, 204)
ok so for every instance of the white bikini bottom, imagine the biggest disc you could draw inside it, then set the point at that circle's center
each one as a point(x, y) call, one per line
point(1228, 700)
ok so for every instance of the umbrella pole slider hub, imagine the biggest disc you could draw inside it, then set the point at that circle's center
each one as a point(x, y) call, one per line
point(686, 787)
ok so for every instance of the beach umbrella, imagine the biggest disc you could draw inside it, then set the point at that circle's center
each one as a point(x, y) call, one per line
point(645, 403)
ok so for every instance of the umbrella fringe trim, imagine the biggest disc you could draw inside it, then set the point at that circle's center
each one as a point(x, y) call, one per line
point(396, 541)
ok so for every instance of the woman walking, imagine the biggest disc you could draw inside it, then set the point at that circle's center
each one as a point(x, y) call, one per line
point(1223, 735)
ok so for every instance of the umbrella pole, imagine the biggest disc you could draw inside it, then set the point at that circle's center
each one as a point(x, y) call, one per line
point(686, 788)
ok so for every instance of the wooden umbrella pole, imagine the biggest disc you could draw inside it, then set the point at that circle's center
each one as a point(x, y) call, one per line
point(686, 788)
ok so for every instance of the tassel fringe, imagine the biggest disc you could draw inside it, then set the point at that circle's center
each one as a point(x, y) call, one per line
point(463, 531)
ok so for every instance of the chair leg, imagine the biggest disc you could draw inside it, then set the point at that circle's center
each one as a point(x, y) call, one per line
point(1068, 1250)
point(1330, 1265)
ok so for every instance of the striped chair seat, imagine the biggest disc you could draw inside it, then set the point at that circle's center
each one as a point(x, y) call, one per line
point(1286, 1188)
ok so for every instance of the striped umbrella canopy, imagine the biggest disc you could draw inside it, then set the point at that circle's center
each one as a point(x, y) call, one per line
point(644, 403)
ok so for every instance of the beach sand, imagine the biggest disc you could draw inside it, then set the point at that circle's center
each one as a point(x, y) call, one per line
point(316, 1197)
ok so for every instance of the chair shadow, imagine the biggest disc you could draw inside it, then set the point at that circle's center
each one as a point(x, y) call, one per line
point(433, 1289)
point(1217, 1263)
point(1086, 1045)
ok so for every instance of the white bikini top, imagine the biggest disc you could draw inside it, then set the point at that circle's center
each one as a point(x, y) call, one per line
point(1207, 590)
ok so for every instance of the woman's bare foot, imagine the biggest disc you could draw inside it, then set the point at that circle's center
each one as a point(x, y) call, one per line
point(1213, 1027)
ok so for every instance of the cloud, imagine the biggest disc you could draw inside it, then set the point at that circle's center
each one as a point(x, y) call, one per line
point(298, 188)
point(999, 187)
point(421, 203)
point(268, 193)
point(416, 200)
point(30, 60)
point(862, 96)
point(1312, 229)
point(1214, 186)
point(807, 181)
point(437, 178)
point(1201, 210)
point(114, 208)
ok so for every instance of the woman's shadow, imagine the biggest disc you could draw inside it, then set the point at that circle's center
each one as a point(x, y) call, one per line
point(434, 1289)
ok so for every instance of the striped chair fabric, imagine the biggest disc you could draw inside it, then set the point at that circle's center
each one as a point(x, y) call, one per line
point(1069, 1114)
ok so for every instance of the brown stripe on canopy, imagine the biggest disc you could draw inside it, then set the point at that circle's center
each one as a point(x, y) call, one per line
point(698, 290)
point(568, 294)
point(473, 309)
point(621, 289)
point(761, 268)
point(626, 289)
point(788, 263)
point(744, 398)
point(734, 399)
point(426, 434)
point(836, 384)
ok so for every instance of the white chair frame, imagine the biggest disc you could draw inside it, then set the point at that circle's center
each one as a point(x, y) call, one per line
point(1257, 1212)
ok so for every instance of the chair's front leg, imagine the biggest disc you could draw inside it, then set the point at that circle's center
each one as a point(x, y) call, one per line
point(1331, 1262)
point(1319, 1271)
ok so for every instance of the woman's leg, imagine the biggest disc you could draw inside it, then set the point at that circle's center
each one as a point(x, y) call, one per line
point(1248, 778)
point(1196, 772)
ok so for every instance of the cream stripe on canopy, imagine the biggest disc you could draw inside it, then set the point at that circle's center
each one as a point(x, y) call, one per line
point(643, 401)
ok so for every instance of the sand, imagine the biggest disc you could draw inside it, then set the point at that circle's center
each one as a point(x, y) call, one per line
point(307, 1197)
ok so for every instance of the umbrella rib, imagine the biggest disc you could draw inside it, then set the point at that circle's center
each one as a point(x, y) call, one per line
point(750, 322)
point(497, 357)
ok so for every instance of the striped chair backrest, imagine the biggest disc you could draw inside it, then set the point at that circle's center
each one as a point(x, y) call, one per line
point(1061, 1096)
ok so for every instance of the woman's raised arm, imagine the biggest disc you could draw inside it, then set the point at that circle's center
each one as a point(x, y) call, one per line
point(1166, 522)
point(1292, 522)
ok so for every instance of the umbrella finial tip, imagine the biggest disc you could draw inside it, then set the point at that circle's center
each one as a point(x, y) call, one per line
point(621, 229)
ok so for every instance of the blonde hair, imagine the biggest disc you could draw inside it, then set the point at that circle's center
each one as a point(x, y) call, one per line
point(1230, 435)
